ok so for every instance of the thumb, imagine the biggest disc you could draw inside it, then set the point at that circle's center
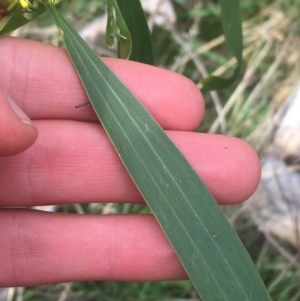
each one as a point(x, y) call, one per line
point(17, 132)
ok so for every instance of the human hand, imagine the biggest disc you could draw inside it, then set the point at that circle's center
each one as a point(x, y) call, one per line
point(72, 161)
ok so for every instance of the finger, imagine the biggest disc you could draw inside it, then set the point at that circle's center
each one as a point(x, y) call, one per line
point(40, 248)
point(74, 162)
point(42, 79)
point(17, 132)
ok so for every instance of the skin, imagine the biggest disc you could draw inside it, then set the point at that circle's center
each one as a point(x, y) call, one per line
point(65, 157)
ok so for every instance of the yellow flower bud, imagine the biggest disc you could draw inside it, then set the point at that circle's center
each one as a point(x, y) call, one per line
point(24, 4)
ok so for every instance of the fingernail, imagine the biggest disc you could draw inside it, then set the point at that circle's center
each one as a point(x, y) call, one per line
point(24, 118)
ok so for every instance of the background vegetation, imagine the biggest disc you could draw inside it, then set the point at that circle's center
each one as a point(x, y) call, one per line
point(194, 46)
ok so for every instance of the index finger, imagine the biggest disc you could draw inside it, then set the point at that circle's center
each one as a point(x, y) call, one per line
point(42, 80)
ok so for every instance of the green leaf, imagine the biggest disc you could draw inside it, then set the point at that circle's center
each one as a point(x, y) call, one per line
point(15, 19)
point(134, 17)
point(117, 28)
point(125, 40)
point(209, 249)
point(232, 25)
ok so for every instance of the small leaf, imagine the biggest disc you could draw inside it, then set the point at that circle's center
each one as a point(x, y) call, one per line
point(125, 41)
point(17, 17)
point(116, 29)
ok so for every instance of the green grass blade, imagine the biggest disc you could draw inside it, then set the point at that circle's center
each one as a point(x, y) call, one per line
point(232, 25)
point(135, 20)
point(209, 249)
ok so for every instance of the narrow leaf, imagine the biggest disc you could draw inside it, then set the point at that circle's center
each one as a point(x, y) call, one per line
point(232, 25)
point(116, 29)
point(125, 40)
point(136, 22)
point(209, 249)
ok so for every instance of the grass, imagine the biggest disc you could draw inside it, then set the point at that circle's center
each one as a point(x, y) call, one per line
point(195, 47)
point(111, 291)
